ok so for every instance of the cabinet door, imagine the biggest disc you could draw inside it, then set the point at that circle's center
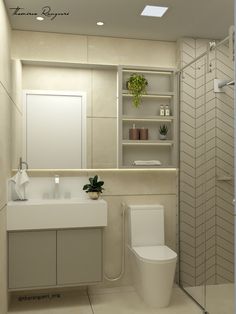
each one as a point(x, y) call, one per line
point(32, 259)
point(79, 256)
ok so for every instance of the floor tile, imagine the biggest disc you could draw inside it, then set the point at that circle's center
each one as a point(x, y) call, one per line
point(68, 303)
point(130, 303)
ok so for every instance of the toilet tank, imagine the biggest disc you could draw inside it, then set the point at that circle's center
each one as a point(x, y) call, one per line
point(146, 225)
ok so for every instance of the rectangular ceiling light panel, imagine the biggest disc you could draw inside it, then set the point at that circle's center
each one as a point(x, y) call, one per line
point(151, 10)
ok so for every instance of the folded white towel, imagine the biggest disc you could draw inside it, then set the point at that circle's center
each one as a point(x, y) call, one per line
point(147, 163)
point(20, 179)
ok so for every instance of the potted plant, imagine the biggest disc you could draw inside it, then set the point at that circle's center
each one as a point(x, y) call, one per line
point(163, 130)
point(94, 188)
point(136, 84)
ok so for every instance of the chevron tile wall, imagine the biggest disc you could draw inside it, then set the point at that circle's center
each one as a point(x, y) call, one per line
point(206, 157)
point(224, 168)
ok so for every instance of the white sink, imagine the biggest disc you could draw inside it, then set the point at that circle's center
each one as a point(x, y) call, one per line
point(56, 214)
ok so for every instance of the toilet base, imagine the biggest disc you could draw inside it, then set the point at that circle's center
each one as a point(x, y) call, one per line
point(153, 281)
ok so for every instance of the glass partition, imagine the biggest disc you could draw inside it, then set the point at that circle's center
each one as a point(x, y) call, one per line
point(206, 221)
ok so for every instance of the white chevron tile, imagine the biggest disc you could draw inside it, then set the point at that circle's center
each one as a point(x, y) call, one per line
point(222, 68)
point(225, 212)
point(229, 158)
point(187, 279)
point(188, 88)
point(225, 244)
point(225, 253)
point(201, 44)
point(188, 76)
point(187, 58)
point(228, 110)
point(224, 116)
point(190, 42)
point(187, 129)
point(227, 100)
point(224, 264)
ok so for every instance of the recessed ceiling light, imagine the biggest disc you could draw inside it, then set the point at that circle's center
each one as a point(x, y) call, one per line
point(152, 10)
point(39, 18)
point(100, 23)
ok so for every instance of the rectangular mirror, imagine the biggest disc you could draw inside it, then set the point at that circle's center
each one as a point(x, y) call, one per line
point(54, 129)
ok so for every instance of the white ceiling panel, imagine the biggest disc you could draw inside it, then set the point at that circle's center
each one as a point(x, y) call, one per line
point(194, 18)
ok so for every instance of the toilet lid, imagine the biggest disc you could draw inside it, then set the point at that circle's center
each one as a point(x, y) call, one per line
point(155, 253)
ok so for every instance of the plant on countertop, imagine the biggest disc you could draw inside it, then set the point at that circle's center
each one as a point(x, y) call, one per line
point(163, 130)
point(94, 185)
point(136, 84)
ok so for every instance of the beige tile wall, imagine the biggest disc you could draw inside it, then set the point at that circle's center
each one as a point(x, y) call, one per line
point(6, 105)
point(49, 46)
point(92, 49)
point(16, 113)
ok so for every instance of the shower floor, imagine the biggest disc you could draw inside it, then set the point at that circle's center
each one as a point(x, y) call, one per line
point(219, 298)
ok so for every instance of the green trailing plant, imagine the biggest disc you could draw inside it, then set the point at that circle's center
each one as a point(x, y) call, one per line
point(94, 185)
point(163, 130)
point(137, 84)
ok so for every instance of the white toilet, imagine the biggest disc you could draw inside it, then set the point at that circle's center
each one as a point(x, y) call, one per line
point(153, 263)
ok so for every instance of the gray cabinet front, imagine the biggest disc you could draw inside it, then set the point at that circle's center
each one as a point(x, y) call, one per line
point(79, 256)
point(32, 259)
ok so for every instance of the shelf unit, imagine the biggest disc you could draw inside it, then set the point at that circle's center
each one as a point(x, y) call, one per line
point(161, 90)
point(147, 143)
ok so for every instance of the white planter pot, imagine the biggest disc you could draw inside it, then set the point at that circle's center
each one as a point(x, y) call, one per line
point(94, 195)
point(162, 137)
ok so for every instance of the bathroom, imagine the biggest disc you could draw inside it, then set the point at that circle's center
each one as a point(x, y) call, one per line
point(195, 181)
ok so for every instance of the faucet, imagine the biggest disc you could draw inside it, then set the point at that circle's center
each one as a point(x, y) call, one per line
point(56, 187)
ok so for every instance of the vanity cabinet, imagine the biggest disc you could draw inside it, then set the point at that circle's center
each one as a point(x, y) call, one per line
point(79, 256)
point(160, 92)
point(32, 259)
point(66, 257)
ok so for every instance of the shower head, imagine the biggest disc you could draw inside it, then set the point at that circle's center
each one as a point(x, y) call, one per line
point(223, 83)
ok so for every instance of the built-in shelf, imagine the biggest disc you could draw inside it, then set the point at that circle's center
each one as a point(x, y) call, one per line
point(134, 167)
point(147, 143)
point(169, 95)
point(147, 71)
point(148, 119)
point(161, 91)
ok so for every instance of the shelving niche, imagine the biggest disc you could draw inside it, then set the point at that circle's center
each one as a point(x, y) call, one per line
point(161, 90)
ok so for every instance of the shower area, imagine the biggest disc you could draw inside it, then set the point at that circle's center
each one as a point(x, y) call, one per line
point(206, 180)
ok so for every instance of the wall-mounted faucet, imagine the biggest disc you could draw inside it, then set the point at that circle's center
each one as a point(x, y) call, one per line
point(56, 186)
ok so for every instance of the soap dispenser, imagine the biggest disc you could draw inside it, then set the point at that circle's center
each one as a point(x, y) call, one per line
point(134, 133)
point(143, 134)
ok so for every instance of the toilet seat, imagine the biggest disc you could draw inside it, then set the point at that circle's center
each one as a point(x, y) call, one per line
point(155, 254)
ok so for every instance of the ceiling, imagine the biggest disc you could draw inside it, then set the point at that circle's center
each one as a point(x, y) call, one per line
point(185, 18)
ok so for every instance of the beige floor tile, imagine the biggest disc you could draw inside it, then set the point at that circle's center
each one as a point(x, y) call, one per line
point(130, 303)
point(68, 303)
point(220, 299)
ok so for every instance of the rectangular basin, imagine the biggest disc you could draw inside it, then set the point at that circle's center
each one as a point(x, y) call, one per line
point(56, 214)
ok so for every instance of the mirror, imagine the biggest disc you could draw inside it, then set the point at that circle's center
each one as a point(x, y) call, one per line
point(99, 123)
